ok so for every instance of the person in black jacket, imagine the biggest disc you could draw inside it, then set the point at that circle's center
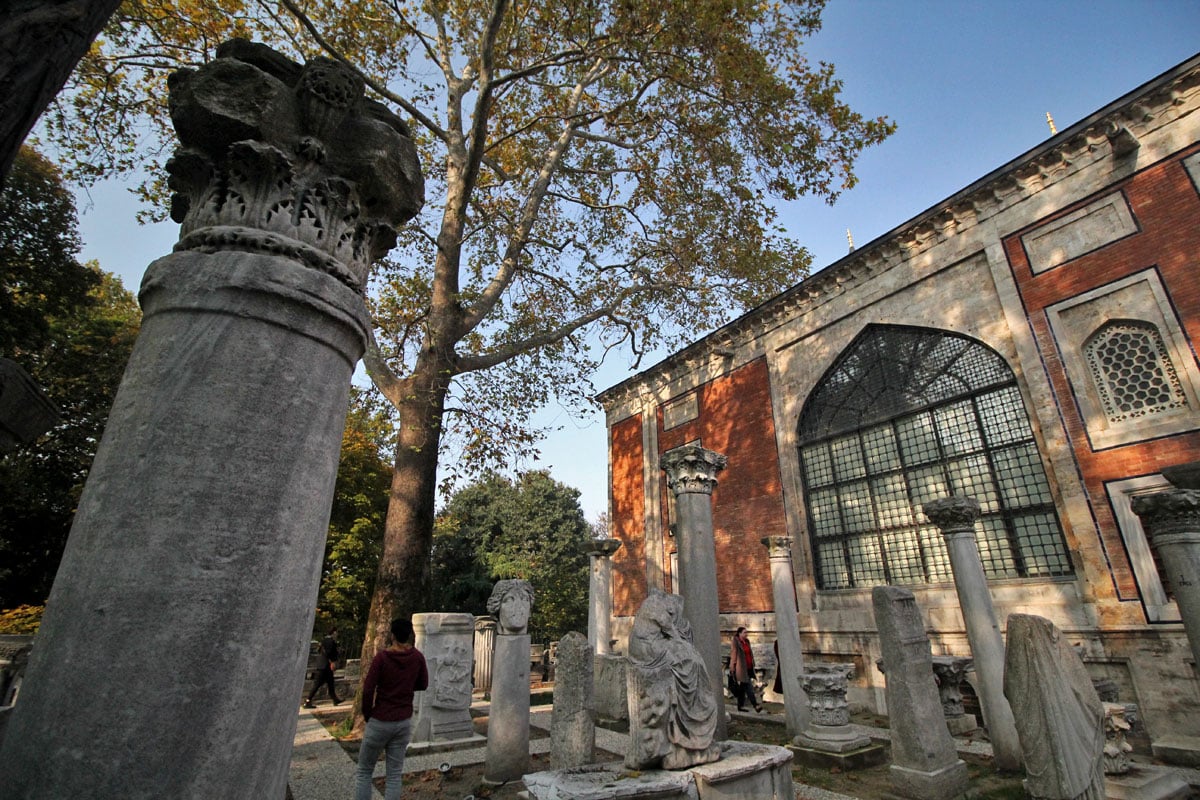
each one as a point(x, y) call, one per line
point(329, 660)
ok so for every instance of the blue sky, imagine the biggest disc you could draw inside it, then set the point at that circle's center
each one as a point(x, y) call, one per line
point(969, 84)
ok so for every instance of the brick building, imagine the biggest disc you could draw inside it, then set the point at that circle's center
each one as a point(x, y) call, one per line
point(1030, 341)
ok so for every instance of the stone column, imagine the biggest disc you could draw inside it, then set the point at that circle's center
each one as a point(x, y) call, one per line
point(925, 765)
point(485, 648)
point(443, 711)
point(787, 632)
point(1171, 520)
point(600, 594)
point(171, 657)
point(956, 517)
point(692, 475)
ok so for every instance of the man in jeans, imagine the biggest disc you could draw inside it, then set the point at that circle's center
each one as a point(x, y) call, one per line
point(387, 705)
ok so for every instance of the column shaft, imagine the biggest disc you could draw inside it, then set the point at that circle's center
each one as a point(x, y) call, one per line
point(787, 633)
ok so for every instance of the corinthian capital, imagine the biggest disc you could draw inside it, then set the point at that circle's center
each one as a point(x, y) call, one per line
point(691, 469)
point(289, 160)
point(956, 512)
point(1176, 511)
point(778, 546)
point(602, 548)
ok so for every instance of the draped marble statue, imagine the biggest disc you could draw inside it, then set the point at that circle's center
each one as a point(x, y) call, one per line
point(1060, 720)
point(672, 711)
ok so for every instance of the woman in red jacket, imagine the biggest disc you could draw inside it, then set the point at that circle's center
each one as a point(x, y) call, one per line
point(387, 705)
point(741, 667)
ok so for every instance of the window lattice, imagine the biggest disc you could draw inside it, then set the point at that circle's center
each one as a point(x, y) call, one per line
point(1133, 374)
point(907, 416)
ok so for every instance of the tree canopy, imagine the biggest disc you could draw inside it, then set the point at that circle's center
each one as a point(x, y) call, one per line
point(601, 174)
point(72, 327)
point(530, 528)
point(356, 520)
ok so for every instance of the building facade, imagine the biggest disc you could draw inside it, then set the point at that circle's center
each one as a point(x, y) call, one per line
point(1029, 341)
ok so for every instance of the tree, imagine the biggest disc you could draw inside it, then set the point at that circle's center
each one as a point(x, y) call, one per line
point(40, 275)
point(531, 528)
point(72, 327)
point(605, 173)
point(356, 520)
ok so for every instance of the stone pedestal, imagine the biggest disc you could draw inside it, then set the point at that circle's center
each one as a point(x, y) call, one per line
point(508, 720)
point(787, 632)
point(956, 517)
point(745, 770)
point(692, 476)
point(485, 646)
point(195, 553)
point(949, 672)
point(443, 711)
point(830, 740)
point(600, 594)
point(925, 765)
point(572, 723)
point(1171, 520)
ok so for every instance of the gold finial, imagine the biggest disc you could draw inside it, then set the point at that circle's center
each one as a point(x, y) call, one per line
point(1050, 122)
point(850, 239)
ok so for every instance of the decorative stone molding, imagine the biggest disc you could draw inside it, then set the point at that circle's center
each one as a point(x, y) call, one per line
point(953, 514)
point(290, 160)
point(691, 469)
point(1116, 749)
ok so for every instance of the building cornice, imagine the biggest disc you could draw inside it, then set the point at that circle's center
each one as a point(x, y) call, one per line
point(1111, 132)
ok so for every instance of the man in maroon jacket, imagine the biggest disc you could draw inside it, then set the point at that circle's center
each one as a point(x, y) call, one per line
point(387, 704)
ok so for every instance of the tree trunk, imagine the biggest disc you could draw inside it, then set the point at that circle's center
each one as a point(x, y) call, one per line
point(402, 585)
point(41, 42)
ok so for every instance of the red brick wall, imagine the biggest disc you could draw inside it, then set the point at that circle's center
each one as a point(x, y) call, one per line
point(735, 419)
point(628, 521)
point(1167, 208)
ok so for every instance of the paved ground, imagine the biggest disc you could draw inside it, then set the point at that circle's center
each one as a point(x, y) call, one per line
point(321, 770)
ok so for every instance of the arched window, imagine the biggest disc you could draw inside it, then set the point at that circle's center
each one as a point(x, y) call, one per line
point(1133, 374)
point(909, 415)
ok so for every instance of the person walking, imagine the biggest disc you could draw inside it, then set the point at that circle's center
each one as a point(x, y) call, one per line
point(329, 660)
point(387, 706)
point(741, 668)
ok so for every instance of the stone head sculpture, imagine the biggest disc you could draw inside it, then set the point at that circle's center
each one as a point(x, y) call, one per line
point(511, 602)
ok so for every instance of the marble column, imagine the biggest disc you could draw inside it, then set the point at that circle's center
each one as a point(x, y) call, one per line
point(1171, 520)
point(787, 632)
point(171, 657)
point(600, 601)
point(485, 648)
point(692, 475)
point(956, 517)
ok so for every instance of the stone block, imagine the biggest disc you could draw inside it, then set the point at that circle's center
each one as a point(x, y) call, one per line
point(611, 698)
point(914, 784)
point(871, 755)
point(572, 724)
point(1146, 783)
point(1181, 750)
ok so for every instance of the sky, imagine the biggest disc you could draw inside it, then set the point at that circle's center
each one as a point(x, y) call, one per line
point(969, 84)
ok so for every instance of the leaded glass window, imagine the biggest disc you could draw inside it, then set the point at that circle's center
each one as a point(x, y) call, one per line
point(1133, 374)
point(909, 415)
